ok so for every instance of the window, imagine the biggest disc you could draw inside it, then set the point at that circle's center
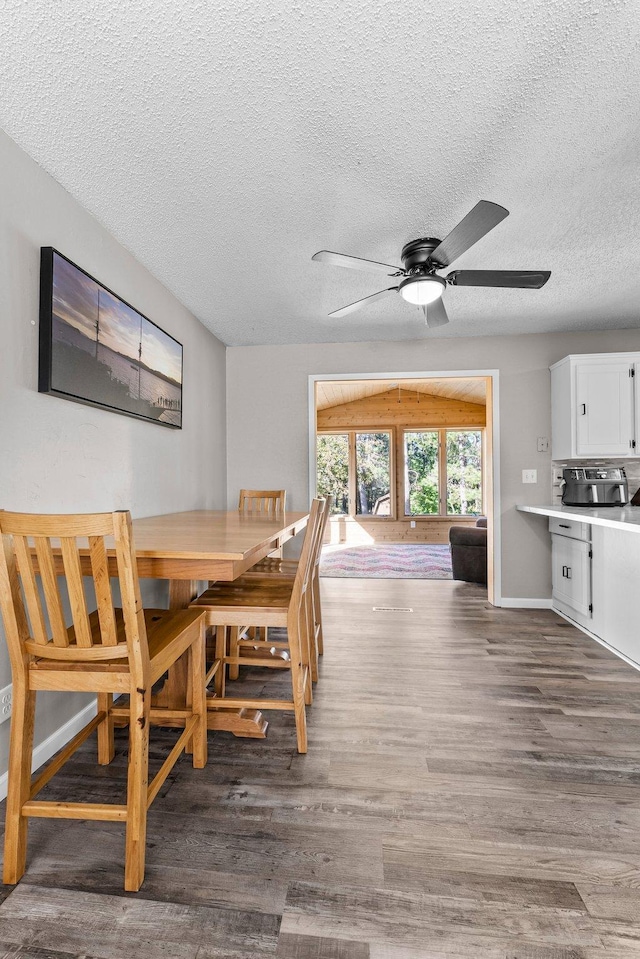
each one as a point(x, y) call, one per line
point(355, 468)
point(464, 472)
point(373, 474)
point(443, 472)
point(333, 469)
point(421, 473)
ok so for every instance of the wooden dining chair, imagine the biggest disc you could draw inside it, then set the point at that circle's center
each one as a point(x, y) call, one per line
point(270, 502)
point(287, 567)
point(110, 651)
point(268, 601)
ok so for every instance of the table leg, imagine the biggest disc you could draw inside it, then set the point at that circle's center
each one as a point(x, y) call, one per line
point(181, 592)
point(173, 693)
point(240, 722)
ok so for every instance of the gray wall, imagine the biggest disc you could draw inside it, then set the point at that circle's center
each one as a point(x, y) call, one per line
point(268, 419)
point(59, 456)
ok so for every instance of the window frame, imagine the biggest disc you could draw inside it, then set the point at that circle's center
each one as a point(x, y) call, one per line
point(442, 468)
point(402, 452)
point(397, 458)
point(352, 485)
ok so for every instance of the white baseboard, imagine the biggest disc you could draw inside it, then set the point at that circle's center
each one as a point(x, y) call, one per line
point(525, 602)
point(54, 742)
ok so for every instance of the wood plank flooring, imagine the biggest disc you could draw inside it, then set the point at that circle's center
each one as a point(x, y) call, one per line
point(472, 789)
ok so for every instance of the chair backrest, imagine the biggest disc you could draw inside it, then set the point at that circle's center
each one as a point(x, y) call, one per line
point(306, 562)
point(270, 502)
point(48, 547)
point(324, 519)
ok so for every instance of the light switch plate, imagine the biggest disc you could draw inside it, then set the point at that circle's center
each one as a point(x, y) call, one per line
point(529, 476)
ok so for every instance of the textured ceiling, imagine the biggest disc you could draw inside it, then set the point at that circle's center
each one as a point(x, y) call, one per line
point(223, 143)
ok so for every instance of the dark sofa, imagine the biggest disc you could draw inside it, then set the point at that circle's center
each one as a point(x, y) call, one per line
point(469, 551)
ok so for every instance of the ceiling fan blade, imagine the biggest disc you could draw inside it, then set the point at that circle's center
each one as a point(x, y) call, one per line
point(354, 262)
point(352, 307)
point(516, 279)
point(435, 314)
point(470, 229)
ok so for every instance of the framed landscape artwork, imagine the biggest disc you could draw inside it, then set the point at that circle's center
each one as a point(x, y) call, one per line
point(99, 350)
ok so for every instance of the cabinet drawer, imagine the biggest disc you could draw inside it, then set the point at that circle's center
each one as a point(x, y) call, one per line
point(570, 527)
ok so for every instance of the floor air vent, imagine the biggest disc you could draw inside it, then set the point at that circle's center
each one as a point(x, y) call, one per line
point(392, 609)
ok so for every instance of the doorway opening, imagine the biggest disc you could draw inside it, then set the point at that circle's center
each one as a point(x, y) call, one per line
point(405, 457)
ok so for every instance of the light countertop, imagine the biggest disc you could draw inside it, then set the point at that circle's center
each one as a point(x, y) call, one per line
point(616, 517)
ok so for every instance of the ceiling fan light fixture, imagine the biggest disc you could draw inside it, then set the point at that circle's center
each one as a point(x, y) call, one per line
point(421, 290)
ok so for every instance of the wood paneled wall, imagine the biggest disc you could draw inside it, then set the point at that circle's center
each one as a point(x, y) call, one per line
point(398, 409)
point(402, 408)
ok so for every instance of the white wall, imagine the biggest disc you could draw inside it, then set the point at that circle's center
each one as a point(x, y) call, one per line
point(268, 417)
point(59, 456)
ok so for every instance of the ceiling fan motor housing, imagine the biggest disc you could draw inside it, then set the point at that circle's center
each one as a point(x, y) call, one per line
point(416, 253)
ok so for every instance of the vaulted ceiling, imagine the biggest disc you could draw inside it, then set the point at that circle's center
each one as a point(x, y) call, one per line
point(224, 142)
point(471, 389)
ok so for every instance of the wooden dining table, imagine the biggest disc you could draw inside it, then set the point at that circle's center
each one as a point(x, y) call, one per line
point(187, 548)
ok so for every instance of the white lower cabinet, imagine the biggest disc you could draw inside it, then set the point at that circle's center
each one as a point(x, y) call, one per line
point(571, 576)
point(616, 590)
point(596, 573)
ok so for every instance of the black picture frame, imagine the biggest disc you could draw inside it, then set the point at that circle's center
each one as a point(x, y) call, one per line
point(97, 349)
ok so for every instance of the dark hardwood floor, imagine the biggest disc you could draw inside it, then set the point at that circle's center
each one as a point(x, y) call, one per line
point(472, 789)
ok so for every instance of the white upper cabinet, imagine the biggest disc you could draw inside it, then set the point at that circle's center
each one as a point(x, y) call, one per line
point(593, 406)
point(604, 400)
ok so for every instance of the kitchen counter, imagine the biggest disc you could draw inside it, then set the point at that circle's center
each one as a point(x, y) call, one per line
point(595, 570)
point(614, 517)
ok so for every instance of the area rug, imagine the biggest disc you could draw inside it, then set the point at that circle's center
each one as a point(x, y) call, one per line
point(406, 561)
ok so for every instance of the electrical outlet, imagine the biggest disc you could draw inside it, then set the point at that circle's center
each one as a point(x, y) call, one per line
point(412, 524)
point(529, 476)
point(543, 444)
point(5, 703)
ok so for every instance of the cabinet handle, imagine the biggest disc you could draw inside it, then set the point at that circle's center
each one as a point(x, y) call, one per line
point(564, 571)
point(568, 572)
point(583, 409)
point(564, 526)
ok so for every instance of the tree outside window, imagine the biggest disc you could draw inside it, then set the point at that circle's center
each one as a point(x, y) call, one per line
point(333, 469)
point(373, 475)
point(442, 472)
point(355, 469)
point(464, 472)
point(452, 487)
point(422, 496)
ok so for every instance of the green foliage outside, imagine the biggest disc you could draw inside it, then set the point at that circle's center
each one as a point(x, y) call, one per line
point(464, 472)
point(372, 470)
point(333, 469)
point(421, 457)
point(463, 465)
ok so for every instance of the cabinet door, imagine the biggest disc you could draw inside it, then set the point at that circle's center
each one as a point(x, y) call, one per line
point(571, 573)
point(604, 409)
